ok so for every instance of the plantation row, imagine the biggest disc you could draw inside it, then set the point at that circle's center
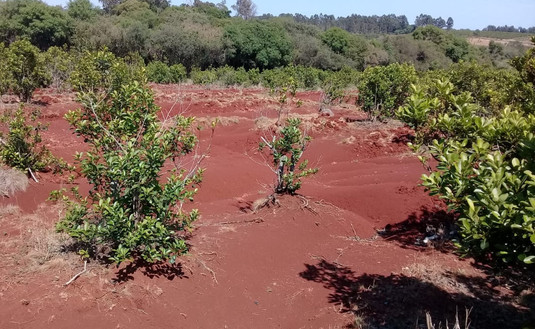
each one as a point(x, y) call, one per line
point(476, 121)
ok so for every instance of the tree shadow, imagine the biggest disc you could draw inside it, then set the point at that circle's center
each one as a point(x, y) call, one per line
point(422, 229)
point(151, 270)
point(399, 301)
point(404, 138)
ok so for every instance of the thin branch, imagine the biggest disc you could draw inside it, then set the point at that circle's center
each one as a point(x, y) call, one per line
point(77, 275)
point(32, 175)
point(92, 107)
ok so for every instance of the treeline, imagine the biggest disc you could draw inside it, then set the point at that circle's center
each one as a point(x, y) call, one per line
point(506, 28)
point(385, 24)
point(203, 35)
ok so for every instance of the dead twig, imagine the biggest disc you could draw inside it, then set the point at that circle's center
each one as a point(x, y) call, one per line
point(32, 175)
point(77, 275)
point(246, 221)
point(209, 270)
point(306, 205)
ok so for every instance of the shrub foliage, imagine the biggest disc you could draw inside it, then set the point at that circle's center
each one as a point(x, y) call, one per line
point(134, 208)
point(484, 171)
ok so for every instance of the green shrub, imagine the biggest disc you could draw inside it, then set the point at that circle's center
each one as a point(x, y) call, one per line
point(254, 76)
point(286, 149)
point(484, 170)
point(200, 77)
point(382, 89)
point(5, 72)
point(27, 68)
point(494, 194)
point(100, 72)
point(21, 147)
point(59, 65)
point(334, 86)
point(525, 64)
point(229, 76)
point(491, 88)
point(288, 142)
point(158, 72)
point(134, 208)
point(178, 73)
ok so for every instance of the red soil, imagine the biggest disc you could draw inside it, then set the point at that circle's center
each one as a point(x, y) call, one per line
point(314, 262)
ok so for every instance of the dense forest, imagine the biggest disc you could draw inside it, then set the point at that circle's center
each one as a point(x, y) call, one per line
point(204, 35)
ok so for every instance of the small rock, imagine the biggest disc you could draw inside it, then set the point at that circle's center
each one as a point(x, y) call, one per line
point(326, 113)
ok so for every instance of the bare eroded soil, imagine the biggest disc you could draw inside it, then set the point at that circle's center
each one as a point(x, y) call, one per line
point(315, 261)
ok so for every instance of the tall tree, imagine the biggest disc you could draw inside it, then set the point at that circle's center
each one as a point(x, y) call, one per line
point(40, 23)
point(423, 20)
point(449, 23)
point(440, 22)
point(245, 8)
point(81, 9)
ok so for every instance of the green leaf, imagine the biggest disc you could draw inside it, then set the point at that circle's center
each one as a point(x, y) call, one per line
point(529, 259)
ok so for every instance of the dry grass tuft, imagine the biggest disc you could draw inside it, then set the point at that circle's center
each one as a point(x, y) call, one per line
point(38, 247)
point(456, 325)
point(264, 123)
point(9, 209)
point(12, 181)
point(224, 121)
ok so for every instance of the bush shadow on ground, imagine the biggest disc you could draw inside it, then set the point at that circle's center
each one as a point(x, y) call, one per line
point(399, 301)
point(151, 270)
point(411, 232)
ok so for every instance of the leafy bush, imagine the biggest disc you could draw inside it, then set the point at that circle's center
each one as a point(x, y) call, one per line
point(158, 72)
point(454, 47)
point(334, 85)
point(344, 43)
point(382, 89)
point(184, 35)
point(100, 72)
point(178, 73)
point(21, 145)
point(286, 149)
point(230, 76)
point(254, 76)
point(288, 143)
point(134, 208)
point(491, 88)
point(5, 72)
point(526, 64)
point(59, 65)
point(303, 77)
point(203, 77)
point(484, 170)
point(26, 67)
point(494, 195)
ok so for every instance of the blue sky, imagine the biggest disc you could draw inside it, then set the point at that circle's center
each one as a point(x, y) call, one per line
point(472, 14)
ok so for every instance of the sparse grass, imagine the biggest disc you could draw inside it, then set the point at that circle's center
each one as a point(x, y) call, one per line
point(12, 181)
point(37, 247)
point(9, 210)
point(224, 121)
point(456, 325)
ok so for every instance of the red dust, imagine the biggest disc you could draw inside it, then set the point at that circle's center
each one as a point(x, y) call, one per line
point(313, 261)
